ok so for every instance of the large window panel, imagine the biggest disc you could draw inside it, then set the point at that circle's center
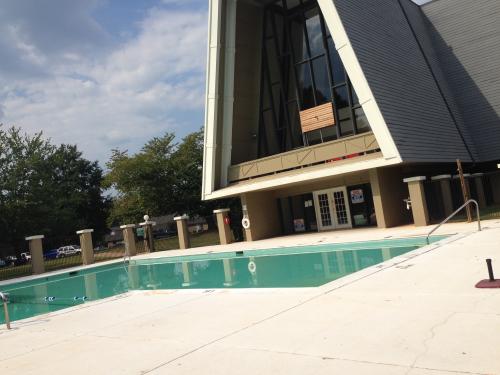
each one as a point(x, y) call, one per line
point(338, 72)
point(313, 26)
point(322, 81)
point(299, 73)
point(305, 85)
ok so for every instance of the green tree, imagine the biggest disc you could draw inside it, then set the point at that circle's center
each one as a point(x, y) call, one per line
point(163, 178)
point(47, 190)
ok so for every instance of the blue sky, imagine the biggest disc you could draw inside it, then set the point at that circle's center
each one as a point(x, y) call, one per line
point(103, 74)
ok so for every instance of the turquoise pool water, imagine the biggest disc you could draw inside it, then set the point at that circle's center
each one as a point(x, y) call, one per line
point(306, 266)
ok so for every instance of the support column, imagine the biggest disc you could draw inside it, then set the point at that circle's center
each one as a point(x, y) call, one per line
point(36, 251)
point(129, 239)
point(418, 201)
point(446, 195)
point(495, 186)
point(187, 274)
point(261, 209)
point(86, 245)
point(481, 197)
point(389, 193)
point(223, 224)
point(182, 231)
point(147, 226)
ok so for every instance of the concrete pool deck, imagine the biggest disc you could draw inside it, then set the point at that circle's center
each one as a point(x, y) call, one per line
point(414, 314)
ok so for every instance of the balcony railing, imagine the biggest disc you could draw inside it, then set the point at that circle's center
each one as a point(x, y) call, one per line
point(328, 152)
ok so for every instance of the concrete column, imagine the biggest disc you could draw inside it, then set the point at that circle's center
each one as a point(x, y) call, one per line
point(129, 239)
point(36, 251)
point(261, 209)
point(389, 193)
point(495, 186)
point(225, 235)
point(418, 201)
point(481, 197)
point(86, 245)
point(182, 231)
point(147, 226)
point(446, 196)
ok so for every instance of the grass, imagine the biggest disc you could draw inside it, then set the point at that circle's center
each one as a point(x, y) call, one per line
point(172, 243)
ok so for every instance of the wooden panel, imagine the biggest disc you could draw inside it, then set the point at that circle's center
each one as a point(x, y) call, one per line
point(317, 117)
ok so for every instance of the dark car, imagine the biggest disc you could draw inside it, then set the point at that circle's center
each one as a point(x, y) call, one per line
point(50, 254)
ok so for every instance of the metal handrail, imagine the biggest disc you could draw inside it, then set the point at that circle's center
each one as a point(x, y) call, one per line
point(453, 214)
point(5, 298)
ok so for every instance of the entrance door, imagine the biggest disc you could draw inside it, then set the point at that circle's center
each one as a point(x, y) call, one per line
point(332, 209)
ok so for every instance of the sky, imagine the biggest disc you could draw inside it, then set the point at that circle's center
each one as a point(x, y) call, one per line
point(103, 74)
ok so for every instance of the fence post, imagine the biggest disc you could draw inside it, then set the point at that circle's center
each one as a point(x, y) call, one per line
point(182, 231)
point(86, 246)
point(129, 239)
point(36, 251)
point(223, 224)
point(149, 244)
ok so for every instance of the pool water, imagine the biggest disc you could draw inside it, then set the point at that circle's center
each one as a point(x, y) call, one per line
point(307, 266)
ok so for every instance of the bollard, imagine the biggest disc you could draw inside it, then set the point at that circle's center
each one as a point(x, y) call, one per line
point(149, 243)
point(182, 231)
point(86, 246)
point(4, 297)
point(129, 239)
point(36, 251)
point(223, 224)
point(490, 270)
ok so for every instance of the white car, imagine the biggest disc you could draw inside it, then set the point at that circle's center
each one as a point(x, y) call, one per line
point(26, 256)
point(66, 251)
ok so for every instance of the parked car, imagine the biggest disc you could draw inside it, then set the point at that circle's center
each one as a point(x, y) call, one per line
point(2, 263)
point(10, 260)
point(66, 251)
point(26, 256)
point(50, 254)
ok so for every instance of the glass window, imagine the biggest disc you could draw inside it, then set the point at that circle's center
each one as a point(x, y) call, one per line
point(362, 124)
point(313, 137)
point(295, 128)
point(346, 127)
point(305, 86)
point(321, 80)
point(338, 73)
point(314, 33)
point(329, 133)
point(355, 99)
point(341, 98)
point(270, 129)
point(299, 40)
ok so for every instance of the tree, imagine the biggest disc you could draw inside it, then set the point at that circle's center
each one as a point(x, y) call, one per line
point(163, 178)
point(47, 190)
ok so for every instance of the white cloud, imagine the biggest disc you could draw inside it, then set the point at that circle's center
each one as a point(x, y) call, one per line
point(117, 98)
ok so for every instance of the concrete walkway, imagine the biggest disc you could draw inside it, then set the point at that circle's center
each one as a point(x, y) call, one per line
point(415, 314)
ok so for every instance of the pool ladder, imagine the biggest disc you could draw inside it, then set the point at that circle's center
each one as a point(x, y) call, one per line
point(456, 212)
point(5, 299)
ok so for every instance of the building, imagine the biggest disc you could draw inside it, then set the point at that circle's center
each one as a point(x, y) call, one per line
point(325, 114)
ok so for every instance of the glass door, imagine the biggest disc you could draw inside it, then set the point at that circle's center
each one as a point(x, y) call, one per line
point(324, 210)
point(341, 208)
point(332, 209)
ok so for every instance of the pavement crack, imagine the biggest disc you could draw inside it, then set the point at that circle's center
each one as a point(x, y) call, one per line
point(425, 343)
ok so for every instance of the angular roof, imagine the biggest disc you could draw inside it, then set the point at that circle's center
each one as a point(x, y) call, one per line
point(402, 77)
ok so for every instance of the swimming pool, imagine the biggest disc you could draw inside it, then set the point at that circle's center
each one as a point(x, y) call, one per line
point(305, 266)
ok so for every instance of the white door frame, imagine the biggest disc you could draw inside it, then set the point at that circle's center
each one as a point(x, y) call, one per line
point(332, 207)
